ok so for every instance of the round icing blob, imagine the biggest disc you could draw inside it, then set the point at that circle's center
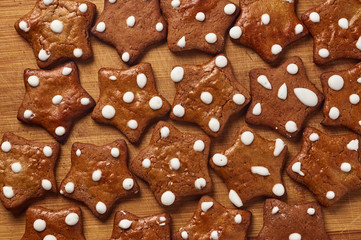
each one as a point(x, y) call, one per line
point(46, 184)
point(298, 29)
point(56, 26)
point(132, 124)
point(28, 114)
point(330, 195)
point(6, 146)
point(238, 99)
point(174, 164)
point(146, 163)
point(200, 16)
point(47, 151)
point(221, 61)
point(60, 131)
point(214, 235)
point(346, 167)
point(353, 145)
point(48, 2)
point(125, 57)
point(291, 127)
point(159, 27)
point(198, 146)
point(33, 81)
point(279, 146)
point(115, 152)
point(125, 224)
point(181, 42)
point(8, 192)
point(358, 44)
point(306, 96)
point(257, 109)
point(84, 101)
point(131, 21)
point(49, 237)
point(238, 219)
point(78, 52)
point(66, 71)
point(24, 26)
point(69, 187)
point(263, 80)
point(100, 27)
point(83, 8)
point(200, 183)
point(229, 9)
point(275, 210)
point(314, 137)
point(214, 125)
point(278, 189)
point(178, 110)
point(97, 175)
point(343, 23)
point(39, 225)
point(108, 112)
point(311, 211)
point(101, 207)
point(315, 17)
point(295, 236)
point(265, 19)
point(234, 198)
point(334, 113)
point(247, 138)
point(72, 219)
point(177, 74)
point(184, 235)
point(206, 97)
point(16, 167)
point(141, 80)
point(155, 103)
point(292, 69)
point(57, 99)
point(219, 160)
point(175, 3)
point(276, 49)
point(128, 97)
point(336, 82)
point(113, 78)
point(43, 55)
point(112, 1)
point(128, 183)
point(354, 99)
point(235, 32)
point(167, 198)
point(164, 132)
point(211, 38)
point(323, 53)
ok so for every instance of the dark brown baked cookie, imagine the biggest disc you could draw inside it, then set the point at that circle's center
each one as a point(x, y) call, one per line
point(283, 97)
point(207, 94)
point(99, 176)
point(328, 166)
point(251, 167)
point(336, 29)
point(129, 100)
point(268, 27)
point(282, 221)
point(130, 26)
point(213, 221)
point(54, 99)
point(198, 24)
point(174, 164)
point(26, 171)
point(342, 96)
point(58, 30)
point(127, 226)
point(46, 224)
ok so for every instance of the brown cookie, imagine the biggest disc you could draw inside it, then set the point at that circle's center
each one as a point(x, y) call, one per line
point(129, 100)
point(342, 96)
point(99, 176)
point(207, 94)
point(58, 30)
point(268, 27)
point(54, 99)
point(127, 226)
point(198, 24)
point(335, 26)
point(251, 167)
point(213, 221)
point(26, 171)
point(328, 166)
point(46, 224)
point(174, 164)
point(130, 26)
point(282, 221)
point(283, 97)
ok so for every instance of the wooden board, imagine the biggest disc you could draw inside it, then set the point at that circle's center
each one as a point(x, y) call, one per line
point(343, 220)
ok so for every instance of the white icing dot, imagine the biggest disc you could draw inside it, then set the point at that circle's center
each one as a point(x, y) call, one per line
point(198, 146)
point(178, 110)
point(175, 3)
point(128, 97)
point(343, 23)
point(229, 9)
point(101, 207)
point(276, 49)
point(306, 96)
point(335, 82)
point(125, 224)
point(66, 71)
point(78, 152)
point(49, 237)
point(235, 32)
point(214, 125)
point(100, 27)
point(164, 132)
point(346, 167)
point(128, 183)
point(330, 195)
point(24, 26)
point(48, 2)
point(314, 137)
point(353, 145)
point(85, 101)
point(334, 113)
point(46, 184)
point(108, 112)
point(279, 146)
point(219, 160)
point(146, 163)
point(28, 114)
point(43, 55)
point(214, 235)
point(205, 206)
point(57, 99)
point(167, 198)
point(181, 42)
point(200, 16)
point(311, 211)
point(131, 21)
point(354, 99)
point(78, 52)
point(200, 183)
point(221, 61)
point(238, 219)
point(69, 187)
point(265, 18)
point(315, 17)
point(177, 74)
point(39, 225)
point(6, 146)
point(298, 29)
point(33, 81)
point(184, 235)
point(260, 171)
point(83, 8)
point(8, 192)
point(211, 38)
point(71, 219)
point(238, 99)
point(275, 210)
point(97, 175)
point(115, 152)
point(282, 92)
point(174, 164)
point(291, 127)
point(159, 27)
point(125, 57)
point(323, 53)
point(257, 109)
point(206, 97)
point(56, 26)
point(141, 80)
point(292, 69)
point(247, 138)
point(60, 131)
point(132, 124)
point(234, 198)
point(16, 167)
point(112, 1)
point(358, 44)
point(295, 236)
point(296, 167)
point(278, 189)
point(263, 80)
point(155, 103)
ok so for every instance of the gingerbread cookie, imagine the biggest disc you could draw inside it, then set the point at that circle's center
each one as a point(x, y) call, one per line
point(99, 176)
point(282, 221)
point(342, 96)
point(54, 99)
point(283, 97)
point(336, 28)
point(198, 24)
point(46, 224)
point(174, 164)
point(251, 167)
point(213, 221)
point(127, 226)
point(268, 27)
point(26, 171)
point(130, 26)
point(328, 165)
point(207, 94)
point(58, 30)
point(129, 100)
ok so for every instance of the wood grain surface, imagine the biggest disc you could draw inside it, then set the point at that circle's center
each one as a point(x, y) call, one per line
point(343, 220)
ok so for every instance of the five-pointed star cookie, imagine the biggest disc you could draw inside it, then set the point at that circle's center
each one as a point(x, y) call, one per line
point(46, 224)
point(328, 165)
point(207, 94)
point(99, 176)
point(283, 97)
point(213, 221)
point(26, 170)
point(54, 99)
point(130, 26)
point(342, 96)
point(130, 227)
point(198, 24)
point(251, 167)
point(129, 100)
point(282, 221)
point(174, 164)
point(58, 30)
point(268, 27)
point(336, 29)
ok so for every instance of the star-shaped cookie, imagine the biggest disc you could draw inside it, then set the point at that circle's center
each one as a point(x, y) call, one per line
point(128, 226)
point(213, 221)
point(129, 100)
point(283, 97)
point(342, 96)
point(46, 224)
point(99, 176)
point(328, 165)
point(207, 94)
point(58, 30)
point(26, 171)
point(198, 24)
point(335, 26)
point(130, 26)
point(174, 164)
point(54, 99)
point(268, 27)
point(251, 167)
point(282, 221)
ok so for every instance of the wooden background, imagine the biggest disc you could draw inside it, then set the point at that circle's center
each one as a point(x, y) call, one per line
point(343, 220)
